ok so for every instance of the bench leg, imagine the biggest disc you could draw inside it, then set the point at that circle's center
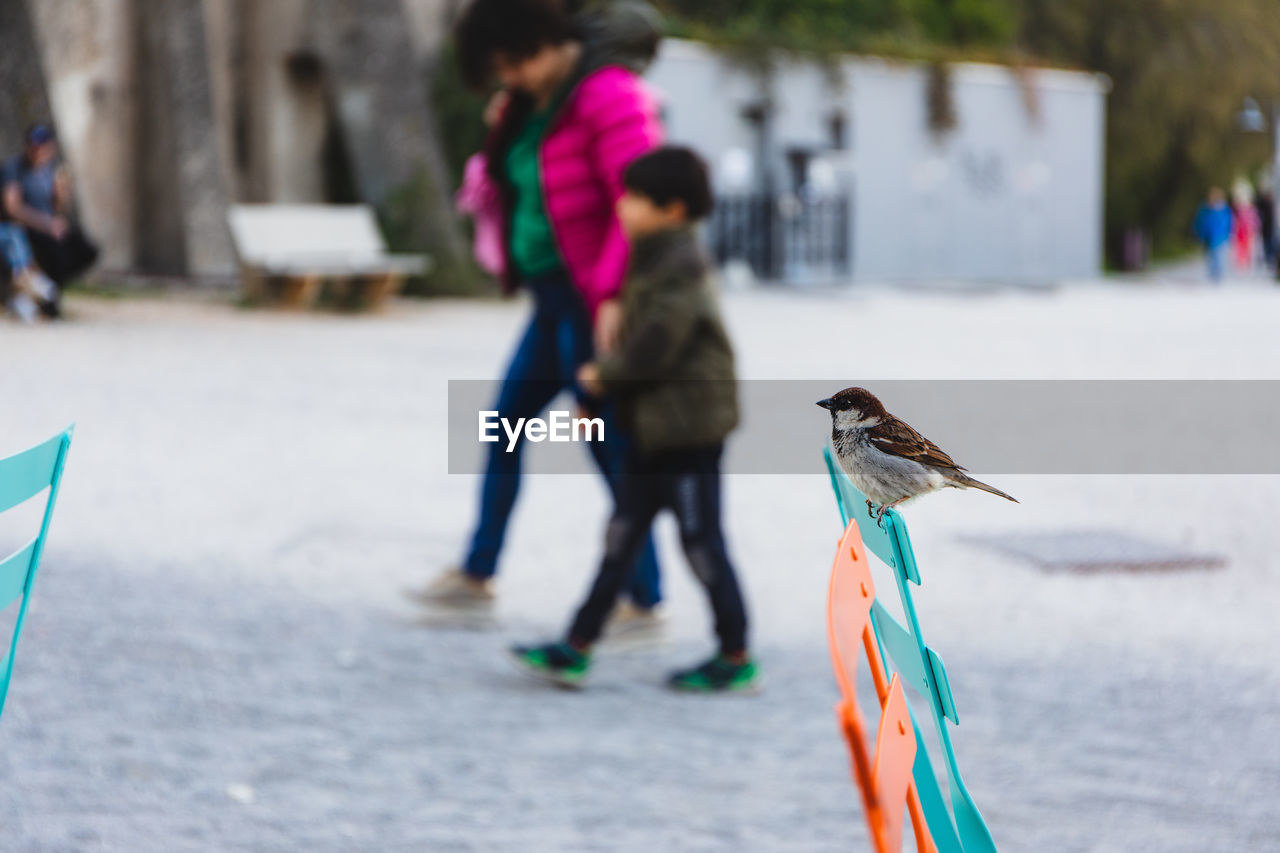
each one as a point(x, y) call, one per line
point(340, 293)
point(253, 286)
point(301, 292)
point(379, 289)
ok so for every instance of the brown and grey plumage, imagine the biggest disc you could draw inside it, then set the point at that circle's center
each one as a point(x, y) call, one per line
point(885, 458)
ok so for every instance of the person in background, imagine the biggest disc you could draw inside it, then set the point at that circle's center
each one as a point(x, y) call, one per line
point(35, 193)
point(1213, 227)
point(673, 375)
point(1266, 205)
point(575, 115)
point(28, 291)
point(1245, 228)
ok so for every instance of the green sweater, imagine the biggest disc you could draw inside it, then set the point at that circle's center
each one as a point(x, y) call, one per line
point(530, 238)
point(672, 372)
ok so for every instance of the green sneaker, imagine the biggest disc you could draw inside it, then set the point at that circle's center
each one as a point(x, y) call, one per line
point(718, 675)
point(559, 663)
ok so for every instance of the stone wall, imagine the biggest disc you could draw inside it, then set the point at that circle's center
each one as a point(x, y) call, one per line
point(85, 52)
point(328, 101)
point(23, 97)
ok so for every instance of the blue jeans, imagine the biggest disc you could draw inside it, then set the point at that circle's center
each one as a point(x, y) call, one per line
point(1217, 258)
point(687, 482)
point(556, 343)
point(14, 248)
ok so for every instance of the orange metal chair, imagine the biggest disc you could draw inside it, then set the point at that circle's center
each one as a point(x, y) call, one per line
point(884, 776)
point(954, 821)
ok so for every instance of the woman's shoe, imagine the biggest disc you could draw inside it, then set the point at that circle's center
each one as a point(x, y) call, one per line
point(455, 590)
point(631, 626)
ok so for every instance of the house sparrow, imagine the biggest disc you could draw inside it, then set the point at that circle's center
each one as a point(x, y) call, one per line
point(885, 458)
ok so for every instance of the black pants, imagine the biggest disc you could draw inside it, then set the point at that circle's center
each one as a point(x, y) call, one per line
point(66, 259)
point(688, 482)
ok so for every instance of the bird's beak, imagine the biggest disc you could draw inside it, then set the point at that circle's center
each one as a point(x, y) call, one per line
point(826, 404)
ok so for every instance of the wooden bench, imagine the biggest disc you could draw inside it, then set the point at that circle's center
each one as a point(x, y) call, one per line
point(291, 255)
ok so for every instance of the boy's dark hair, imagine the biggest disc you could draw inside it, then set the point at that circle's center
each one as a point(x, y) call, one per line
point(516, 28)
point(672, 173)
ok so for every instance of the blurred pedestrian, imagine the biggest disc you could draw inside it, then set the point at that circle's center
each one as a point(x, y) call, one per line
point(1213, 228)
point(1266, 205)
point(673, 374)
point(36, 194)
point(575, 115)
point(1245, 228)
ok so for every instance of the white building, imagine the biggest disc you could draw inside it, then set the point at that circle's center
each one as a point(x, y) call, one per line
point(1013, 192)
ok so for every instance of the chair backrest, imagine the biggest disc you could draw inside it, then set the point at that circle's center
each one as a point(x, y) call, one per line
point(266, 233)
point(23, 477)
point(960, 827)
point(884, 772)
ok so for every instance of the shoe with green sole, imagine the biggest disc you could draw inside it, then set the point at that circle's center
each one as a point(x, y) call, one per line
point(718, 675)
point(559, 663)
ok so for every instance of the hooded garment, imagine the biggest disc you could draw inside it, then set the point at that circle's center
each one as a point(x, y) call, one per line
point(673, 371)
point(606, 119)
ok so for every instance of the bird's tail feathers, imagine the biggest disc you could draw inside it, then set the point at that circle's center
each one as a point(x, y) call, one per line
point(964, 481)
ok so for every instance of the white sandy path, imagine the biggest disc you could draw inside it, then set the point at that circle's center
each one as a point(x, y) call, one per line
point(301, 460)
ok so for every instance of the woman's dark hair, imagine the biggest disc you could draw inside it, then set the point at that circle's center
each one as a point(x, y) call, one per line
point(672, 174)
point(516, 28)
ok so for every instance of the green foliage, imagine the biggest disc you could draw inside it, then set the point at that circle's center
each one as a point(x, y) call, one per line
point(407, 220)
point(457, 116)
point(1180, 71)
point(845, 25)
point(458, 112)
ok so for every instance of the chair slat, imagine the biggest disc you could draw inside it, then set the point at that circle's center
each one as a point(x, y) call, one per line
point(902, 541)
point(878, 540)
point(849, 598)
point(13, 573)
point(943, 685)
point(937, 814)
point(900, 647)
point(24, 476)
point(891, 773)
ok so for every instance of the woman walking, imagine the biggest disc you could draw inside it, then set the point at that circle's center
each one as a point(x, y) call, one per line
point(1245, 226)
point(575, 115)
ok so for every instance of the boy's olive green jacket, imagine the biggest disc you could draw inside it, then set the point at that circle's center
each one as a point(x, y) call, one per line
point(672, 372)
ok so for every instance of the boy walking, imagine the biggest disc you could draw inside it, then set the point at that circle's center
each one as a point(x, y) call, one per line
point(1213, 227)
point(672, 375)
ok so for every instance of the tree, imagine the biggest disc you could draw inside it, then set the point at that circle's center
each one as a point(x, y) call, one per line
point(847, 25)
point(1180, 71)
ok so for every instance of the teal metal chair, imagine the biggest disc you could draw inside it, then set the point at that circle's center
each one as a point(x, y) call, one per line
point(960, 827)
point(22, 477)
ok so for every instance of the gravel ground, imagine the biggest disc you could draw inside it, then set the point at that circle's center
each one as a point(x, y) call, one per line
point(218, 658)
